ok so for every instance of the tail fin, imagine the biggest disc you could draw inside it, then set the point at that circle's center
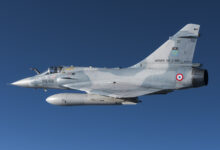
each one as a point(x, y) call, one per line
point(179, 49)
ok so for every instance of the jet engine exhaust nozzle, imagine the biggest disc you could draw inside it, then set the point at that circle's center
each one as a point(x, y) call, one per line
point(199, 77)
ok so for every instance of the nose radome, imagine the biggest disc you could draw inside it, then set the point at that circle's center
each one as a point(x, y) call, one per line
point(23, 82)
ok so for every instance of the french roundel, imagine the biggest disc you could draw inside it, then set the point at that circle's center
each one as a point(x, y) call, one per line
point(179, 77)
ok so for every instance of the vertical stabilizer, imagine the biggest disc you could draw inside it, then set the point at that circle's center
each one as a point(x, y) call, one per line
point(179, 49)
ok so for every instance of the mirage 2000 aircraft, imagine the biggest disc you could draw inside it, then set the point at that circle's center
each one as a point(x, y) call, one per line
point(167, 69)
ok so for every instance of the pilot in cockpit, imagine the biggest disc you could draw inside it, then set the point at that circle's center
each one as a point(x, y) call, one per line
point(54, 70)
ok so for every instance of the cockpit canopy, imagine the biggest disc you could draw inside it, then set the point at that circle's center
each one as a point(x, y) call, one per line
point(54, 69)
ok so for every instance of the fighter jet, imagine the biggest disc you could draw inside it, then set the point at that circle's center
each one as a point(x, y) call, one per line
point(167, 69)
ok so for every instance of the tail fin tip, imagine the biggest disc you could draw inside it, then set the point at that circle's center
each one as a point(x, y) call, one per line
point(189, 30)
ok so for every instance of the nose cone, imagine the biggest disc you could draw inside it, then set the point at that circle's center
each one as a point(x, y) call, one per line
point(56, 100)
point(53, 100)
point(23, 83)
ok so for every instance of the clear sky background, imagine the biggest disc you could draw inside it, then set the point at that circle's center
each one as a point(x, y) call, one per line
point(102, 33)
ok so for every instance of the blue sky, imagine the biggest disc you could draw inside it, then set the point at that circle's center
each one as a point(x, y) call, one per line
point(105, 34)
